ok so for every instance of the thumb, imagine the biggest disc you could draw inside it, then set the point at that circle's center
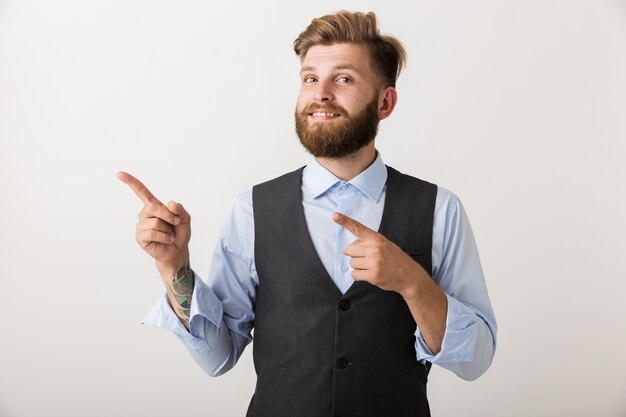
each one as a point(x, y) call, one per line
point(180, 211)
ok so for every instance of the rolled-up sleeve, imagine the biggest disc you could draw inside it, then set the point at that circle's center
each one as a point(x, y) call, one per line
point(204, 305)
point(470, 339)
point(221, 313)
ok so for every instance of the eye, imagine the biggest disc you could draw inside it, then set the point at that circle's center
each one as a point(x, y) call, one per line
point(309, 79)
point(344, 80)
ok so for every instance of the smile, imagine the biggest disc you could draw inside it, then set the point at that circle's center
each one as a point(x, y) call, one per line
point(325, 115)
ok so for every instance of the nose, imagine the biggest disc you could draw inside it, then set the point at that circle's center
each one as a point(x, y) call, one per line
point(323, 93)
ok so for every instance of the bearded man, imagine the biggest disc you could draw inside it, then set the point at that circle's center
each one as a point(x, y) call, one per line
point(354, 277)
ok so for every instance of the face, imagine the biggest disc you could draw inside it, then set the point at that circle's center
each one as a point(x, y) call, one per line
point(340, 101)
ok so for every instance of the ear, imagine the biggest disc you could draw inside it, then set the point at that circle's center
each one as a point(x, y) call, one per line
point(387, 100)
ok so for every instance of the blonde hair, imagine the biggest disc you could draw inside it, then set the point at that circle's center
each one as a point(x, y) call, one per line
point(359, 28)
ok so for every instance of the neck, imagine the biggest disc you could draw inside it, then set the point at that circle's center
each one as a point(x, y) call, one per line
point(350, 166)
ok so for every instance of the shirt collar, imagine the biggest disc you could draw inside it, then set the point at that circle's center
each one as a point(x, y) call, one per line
point(370, 182)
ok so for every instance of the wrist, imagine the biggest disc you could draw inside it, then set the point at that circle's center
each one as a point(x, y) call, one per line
point(170, 270)
point(410, 291)
point(422, 290)
point(414, 284)
point(179, 284)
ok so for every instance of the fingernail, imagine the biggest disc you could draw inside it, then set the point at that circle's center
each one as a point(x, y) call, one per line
point(172, 238)
point(176, 220)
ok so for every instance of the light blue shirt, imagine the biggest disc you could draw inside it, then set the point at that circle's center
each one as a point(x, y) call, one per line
point(222, 311)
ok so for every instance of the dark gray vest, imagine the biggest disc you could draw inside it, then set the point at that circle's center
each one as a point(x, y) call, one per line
point(318, 353)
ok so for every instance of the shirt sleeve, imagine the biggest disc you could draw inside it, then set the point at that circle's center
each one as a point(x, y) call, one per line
point(470, 339)
point(221, 313)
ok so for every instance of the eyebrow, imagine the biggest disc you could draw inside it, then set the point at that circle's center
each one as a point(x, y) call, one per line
point(338, 67)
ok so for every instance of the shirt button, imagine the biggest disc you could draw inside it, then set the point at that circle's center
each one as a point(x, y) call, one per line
point(344, 268)
point(344, 305)
point(342, 363)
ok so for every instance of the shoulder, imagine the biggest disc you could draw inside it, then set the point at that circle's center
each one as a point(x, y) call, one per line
point(239, 218)
point(408, 179)
point(290, 178)
point(450, 219)
point(448, 209)
point(242, 203)
point(447, 200)
point(411, 190)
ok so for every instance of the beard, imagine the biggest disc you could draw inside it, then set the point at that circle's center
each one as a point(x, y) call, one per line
point(340, 137)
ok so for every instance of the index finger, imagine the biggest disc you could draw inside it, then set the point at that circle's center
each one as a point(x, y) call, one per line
point(137, 186)
point(356, 228)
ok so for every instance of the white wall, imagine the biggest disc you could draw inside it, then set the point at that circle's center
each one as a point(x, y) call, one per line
point(518, 107)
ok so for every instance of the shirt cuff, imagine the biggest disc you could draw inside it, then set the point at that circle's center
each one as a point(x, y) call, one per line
point(204, 306)
point(459, 341)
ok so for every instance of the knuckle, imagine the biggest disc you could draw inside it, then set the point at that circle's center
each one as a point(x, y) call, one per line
point(141, 239)
point(153, 207)
point(146, 211)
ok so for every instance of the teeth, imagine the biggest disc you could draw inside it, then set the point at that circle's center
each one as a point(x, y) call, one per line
point(322, 114)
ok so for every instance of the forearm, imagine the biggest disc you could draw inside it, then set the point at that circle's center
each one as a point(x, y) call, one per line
point(179, 284)
point(214, 345)
point(472, 358)
point(428, 305)
point(224, 349)
point(468, 345)
point(469, 342)
point(214, 321)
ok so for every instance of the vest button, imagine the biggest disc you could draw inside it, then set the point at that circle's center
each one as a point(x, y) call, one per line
point(344, 305)
point(342, 363)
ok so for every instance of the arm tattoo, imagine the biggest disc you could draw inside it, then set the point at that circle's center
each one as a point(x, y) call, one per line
point(182, 286)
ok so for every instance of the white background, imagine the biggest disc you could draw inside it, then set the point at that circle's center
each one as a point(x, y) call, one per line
point(519, 107)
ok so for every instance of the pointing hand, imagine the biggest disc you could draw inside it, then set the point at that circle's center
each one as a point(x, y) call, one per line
point(380, 262)
point(163, 231)
point(377, 260)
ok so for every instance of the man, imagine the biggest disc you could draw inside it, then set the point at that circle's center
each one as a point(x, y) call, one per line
point(354, 276)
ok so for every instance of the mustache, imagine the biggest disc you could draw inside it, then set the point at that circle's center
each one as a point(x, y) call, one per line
point(328, 107)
